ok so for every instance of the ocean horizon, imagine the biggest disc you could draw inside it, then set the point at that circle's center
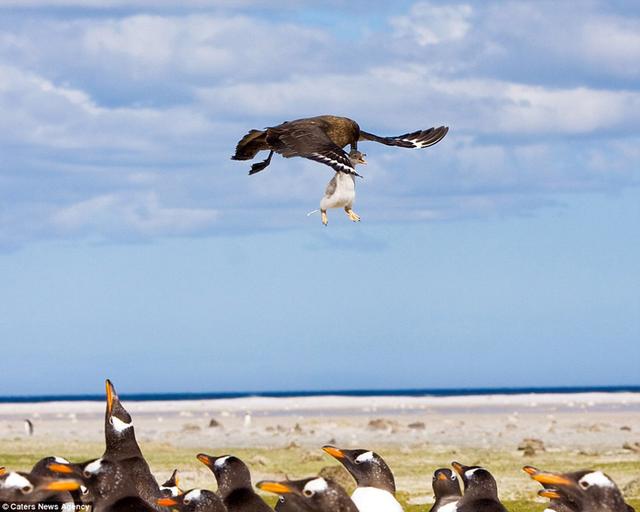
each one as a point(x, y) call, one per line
point(208, 395)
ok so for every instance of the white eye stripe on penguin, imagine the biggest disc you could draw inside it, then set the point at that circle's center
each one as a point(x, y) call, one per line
point(364, 457)
point(93, 467)
point(16, 481)
point(119, 425)
point(221, 461)
point(192, 495)
point(597, 478)
point(315, 485)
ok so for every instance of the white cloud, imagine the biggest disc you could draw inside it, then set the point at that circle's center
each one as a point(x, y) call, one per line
point(125, 214)
point(409, 98)
point(119, 125)
point(430, 23)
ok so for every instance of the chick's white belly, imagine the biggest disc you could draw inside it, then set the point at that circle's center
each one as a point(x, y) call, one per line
point(343, 195)
point(370, 499)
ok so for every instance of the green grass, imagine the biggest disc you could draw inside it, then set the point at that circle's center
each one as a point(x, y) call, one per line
point(412, 468)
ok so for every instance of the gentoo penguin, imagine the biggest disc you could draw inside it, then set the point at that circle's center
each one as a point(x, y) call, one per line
point(104, 480)
point(107, 485)
point(557, 502)
point(315, 494)
point(19, 487)
point(42, 468)
point(321, 139)
point(172, 486)
point(341, 191)
point(590, 491)
point(195, 500)
point(446, 489)
point(122, 447)
point(480, 490)
point(376, 487)
point(234, 483)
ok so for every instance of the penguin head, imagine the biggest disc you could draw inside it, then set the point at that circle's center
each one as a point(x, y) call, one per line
point(315, 494)
point(24, 487)
point(117, 419)
point(172, 486)
point(119, 433)
point(558, 502)
point(41, 468)
point(194, 500)
point(445, 483)
point(587, 489)
point(61, 467)
point(230, 472)
point(366, 467)
point(102, 478)
point(477, 481)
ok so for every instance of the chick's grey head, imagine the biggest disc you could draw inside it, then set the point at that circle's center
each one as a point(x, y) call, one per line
point(357, 158)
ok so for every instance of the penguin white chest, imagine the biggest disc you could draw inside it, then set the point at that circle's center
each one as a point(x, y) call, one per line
point(371, 499)
point(340, 192)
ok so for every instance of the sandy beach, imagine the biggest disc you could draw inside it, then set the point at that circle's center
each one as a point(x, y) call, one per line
point(415, 434)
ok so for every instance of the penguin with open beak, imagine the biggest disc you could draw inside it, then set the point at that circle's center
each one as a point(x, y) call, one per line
point(315, 494)
point(557, 501)
point(122, 447)
point(194, 500)
point(234, 483)
point(376, 487)
point(446, 488)
point(584, 491)
point(480, 490)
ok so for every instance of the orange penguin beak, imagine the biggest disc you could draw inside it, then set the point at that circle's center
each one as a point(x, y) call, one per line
point(62, 485)
point(442, 476)
point(274, 487)
point(336, 453)
point(205, 459)
point(167, 502)
point(549, 493)
point(60, 468)
point(551, 479)
point(111, 393)
point(458, 467)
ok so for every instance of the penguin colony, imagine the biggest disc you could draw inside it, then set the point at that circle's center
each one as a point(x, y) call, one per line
point(121, 481)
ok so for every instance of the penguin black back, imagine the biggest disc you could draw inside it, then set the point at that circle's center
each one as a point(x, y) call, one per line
point(234, 483)
point(446, 488)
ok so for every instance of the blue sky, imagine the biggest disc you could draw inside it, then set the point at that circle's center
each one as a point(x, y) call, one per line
point(132, 247)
